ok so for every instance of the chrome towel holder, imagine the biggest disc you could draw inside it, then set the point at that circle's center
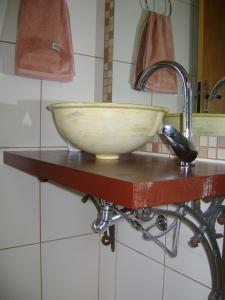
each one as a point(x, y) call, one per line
point(167, 7)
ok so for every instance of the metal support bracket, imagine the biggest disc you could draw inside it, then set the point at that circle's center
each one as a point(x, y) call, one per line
point(202, 223)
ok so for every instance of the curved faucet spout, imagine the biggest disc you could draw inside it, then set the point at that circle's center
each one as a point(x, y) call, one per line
point(186, 150)
point(186, 84)
point(215, 88)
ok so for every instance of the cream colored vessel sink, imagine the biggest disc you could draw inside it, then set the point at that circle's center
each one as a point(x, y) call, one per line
point(106, 129)
point(202, 123)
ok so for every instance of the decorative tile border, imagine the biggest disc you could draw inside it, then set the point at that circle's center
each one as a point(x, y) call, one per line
point(209, 147)
point(108, 50)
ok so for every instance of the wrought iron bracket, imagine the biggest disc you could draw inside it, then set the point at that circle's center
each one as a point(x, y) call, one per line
point(202, 223)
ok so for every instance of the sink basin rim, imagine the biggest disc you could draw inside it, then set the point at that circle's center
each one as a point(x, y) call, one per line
point(59, 105)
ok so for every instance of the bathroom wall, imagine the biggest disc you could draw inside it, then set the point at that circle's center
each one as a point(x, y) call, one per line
point(47, 248)
point(141, 268)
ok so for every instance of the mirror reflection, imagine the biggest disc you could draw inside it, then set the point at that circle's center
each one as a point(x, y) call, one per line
point(128, 18)
point(211, 56)
point(191, 51)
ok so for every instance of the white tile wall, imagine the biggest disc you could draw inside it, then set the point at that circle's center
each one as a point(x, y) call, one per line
point(181, 27)
point(168, 100)
point(190, 261)
point(8, 32)
point(107, 279)
point(63, 214)
point(86, 23)
point(19, 104)
point(20, 273)
point(123, 91)
point(177, 286)
point(133, 239)
point(137, 277)
point(125, 29)
point(69, 269)
point(19, 208)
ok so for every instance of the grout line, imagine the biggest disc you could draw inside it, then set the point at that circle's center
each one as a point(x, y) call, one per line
point(41, 272)
point(88, 55)
point(188, 277)
point(165, 266)
point(40, 116)
point(164, 273)
point(7, 42)
point(19, 246)
point(99, 265)
point(34, 147)
point(45, 242)
point(124, 62)
point(19, 147)
point(115, 273)
point(66, 238)
point(40, 228)
point(153, 259)
point(76, 53)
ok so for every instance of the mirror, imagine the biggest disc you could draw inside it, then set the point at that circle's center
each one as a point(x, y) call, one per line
point(185, 22)
point(128, 17)
point(211, 56)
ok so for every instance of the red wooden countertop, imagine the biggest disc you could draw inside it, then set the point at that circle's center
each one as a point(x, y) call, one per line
point(133, 181)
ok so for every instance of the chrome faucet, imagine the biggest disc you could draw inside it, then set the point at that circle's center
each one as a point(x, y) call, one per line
point(181, 145)
point(213, 94)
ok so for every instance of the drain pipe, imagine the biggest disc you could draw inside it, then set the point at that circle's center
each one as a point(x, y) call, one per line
point(107, 217)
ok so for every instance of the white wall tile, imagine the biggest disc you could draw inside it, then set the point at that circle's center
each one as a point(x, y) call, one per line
point(70, 268)
point(19, 104)
point(19, 207)
point(20, 273)
point(98, 91)
point(132, 238)
point(167, 100)
point(181, 27)
point(127, 16)
point(8, 32)
point(3, 8)
point(63, 214)
point(107, 273)
point(192, 262)
point(194, 38)
point(161, 7)
point(178, 287)
point(84, 26)
point(137, 277)
point(100, 29)
point(82, 89)
point(123, 91)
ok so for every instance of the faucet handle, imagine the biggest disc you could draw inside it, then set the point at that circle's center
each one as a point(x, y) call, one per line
point(183, 147)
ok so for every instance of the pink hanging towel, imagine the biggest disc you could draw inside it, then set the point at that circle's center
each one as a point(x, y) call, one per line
point(156, 44)
point(44, 44)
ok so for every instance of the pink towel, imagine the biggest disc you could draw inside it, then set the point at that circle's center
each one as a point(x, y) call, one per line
point(156, 44)
point(44, 44)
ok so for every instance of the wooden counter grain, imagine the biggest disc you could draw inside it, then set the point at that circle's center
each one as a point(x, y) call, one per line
point(133, 181)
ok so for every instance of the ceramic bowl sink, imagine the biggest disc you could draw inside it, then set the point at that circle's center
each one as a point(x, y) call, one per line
point(106, 129)
point(202, 123)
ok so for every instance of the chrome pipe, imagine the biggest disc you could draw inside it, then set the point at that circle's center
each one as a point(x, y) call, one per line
point(104, 217)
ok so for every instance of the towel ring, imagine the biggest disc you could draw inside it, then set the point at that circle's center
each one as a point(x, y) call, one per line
point(146, 7)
